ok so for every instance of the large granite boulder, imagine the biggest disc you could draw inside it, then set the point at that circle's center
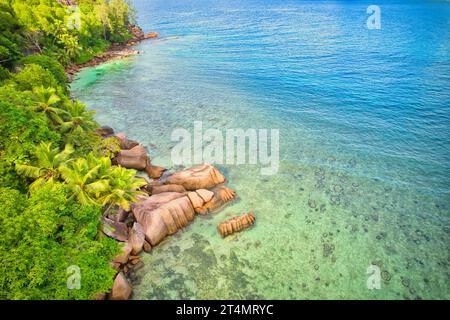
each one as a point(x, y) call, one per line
point(148, 203)
point(206, 195)
point(135, 158)
point(167, 188)
point(196, 200)
point(163, 214)
point(215, 199)
point(100, 296)
point(147, 247)
point(154, 172)
point(203, 176)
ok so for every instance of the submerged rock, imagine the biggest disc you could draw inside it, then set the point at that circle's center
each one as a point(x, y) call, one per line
point(236, 224)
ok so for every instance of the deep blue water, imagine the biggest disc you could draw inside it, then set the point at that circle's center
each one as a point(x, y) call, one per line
point(364, 119)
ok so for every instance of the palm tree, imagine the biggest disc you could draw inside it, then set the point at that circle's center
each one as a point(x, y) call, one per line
point(123, 187)
point(83, 182)
point(79, 120)
point(94, 181)
point(48, 162)
point(47, 101)
point(103, 163)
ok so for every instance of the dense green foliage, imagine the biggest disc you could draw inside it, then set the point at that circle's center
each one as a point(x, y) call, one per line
point(56, 176)
point(32, 76)
point(4, 74)
point(41, 236)
point(48, 63)
point(21, 129)
point(74, 33)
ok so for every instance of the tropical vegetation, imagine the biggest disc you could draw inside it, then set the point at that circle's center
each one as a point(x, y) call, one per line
point(56, 175)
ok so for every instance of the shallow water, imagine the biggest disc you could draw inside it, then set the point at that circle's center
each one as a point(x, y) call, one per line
point(364, 119)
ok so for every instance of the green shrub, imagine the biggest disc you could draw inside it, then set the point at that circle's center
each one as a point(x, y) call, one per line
point(21, 130)
point(108, 147)
point(44, 231)
point(4, 53)
point(48, 63)
point(10, 38)
point(84, 57)
point(33, 76)
point(4, 74)
point(10, 50)
point(8, 93)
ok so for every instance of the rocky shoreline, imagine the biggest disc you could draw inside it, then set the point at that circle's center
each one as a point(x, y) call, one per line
point(115, 51)
point(168, 203)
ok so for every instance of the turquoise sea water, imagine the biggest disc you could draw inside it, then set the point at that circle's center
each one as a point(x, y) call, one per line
point(364, 120)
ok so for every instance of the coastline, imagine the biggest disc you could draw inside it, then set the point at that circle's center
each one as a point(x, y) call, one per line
point(172, 198)
point(361, 185)
point(167, 203)
point(38, 59)
point(115, 51)
point(114, 224)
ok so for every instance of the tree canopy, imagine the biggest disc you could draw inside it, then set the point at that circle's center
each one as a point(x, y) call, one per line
point(56, 176)
point(67, 33)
